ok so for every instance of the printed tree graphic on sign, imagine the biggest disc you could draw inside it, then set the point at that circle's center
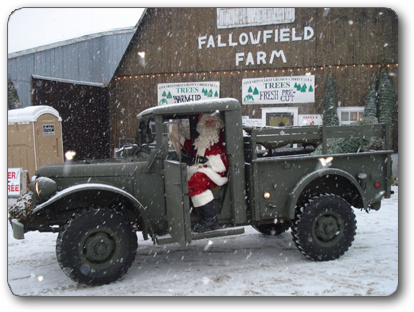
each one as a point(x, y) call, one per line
point(304, 87)
point(249, 98)
point(297, 86)
point(164, 100)
point(310, 89)
point(216, 94)
point(169, 96)
point(255, 92)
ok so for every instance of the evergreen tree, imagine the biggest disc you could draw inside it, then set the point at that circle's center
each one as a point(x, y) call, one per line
point(12, 96)
point(371, 103)
point(386, 100)
point(359, 143)
point(372, 110)
point(330, 116)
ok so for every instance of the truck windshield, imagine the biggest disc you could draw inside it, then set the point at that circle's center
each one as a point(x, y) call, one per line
point(178, 130)
point(147, 131)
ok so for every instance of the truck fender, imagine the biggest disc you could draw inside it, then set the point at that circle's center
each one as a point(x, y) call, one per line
point(97, 187)
point(295, 193)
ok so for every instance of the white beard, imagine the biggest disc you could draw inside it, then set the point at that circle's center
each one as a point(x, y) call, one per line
point(207, 138)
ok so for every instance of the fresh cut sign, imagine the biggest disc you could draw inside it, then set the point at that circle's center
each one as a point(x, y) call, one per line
point(171, 93)
point(279, 90)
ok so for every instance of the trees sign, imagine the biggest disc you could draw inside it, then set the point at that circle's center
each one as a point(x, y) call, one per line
point(279, 90)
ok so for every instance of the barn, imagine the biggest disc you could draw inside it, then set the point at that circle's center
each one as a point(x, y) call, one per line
point(72, 77)
point(275, 61)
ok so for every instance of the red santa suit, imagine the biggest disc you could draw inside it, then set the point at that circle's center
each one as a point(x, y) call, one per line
point(209, 144)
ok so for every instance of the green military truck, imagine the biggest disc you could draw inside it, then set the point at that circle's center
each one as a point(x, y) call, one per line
point(276, 182)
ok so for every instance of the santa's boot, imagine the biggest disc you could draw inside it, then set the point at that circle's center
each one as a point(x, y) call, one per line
point(209, 221)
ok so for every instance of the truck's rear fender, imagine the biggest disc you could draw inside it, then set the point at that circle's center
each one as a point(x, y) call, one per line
point(334, 181)
point(134, 209)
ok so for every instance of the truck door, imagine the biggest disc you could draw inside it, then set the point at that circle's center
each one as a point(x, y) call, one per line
point(177, 201)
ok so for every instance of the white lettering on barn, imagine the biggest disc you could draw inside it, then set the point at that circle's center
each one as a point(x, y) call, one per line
point(257, 38)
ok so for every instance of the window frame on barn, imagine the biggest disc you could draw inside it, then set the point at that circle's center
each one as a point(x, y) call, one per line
point(346, 114)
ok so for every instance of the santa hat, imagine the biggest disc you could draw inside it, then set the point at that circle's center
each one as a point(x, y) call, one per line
point(202, 119)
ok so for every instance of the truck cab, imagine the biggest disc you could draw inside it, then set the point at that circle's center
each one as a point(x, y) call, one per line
point(159, 132)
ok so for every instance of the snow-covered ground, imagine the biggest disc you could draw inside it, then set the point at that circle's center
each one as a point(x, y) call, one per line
point(245, 265)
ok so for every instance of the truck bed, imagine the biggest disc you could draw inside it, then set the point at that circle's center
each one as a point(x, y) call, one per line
point(274, 139)
point(273, 166)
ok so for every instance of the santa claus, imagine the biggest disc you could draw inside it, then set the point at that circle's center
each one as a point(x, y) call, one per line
point(207, 168)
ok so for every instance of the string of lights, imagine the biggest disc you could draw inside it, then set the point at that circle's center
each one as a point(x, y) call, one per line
point(305, 70)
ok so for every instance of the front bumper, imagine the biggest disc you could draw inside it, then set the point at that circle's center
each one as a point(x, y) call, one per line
point(18, 229)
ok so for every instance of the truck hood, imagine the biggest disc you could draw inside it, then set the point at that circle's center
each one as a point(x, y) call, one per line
point(95, 168)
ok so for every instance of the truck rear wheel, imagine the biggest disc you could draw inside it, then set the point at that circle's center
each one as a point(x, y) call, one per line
point(96, 246)
point(324, 228)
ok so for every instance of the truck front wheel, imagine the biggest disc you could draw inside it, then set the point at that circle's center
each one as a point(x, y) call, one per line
point(96, 246)
point(324, 227)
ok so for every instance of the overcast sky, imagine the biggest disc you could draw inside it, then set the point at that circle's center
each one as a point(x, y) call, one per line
point(33, 27)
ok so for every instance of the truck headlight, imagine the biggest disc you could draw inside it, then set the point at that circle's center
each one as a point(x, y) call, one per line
point(45, 187)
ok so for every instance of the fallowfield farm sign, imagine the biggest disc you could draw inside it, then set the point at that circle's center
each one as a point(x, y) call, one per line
point(257, 38)
point(172, 93)
point(279, 90)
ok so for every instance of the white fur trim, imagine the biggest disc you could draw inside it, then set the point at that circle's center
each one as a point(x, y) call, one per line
point(210, 172)
point(191, 170)
point(202, 199)
point(214, 176)
point(216, 163)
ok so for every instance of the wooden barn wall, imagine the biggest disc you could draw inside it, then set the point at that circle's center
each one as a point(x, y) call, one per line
point(350, 43)
point(84, 112)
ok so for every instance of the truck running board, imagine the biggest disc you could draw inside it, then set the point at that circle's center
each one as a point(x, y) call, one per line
point(167, 239)
point(217, 233)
